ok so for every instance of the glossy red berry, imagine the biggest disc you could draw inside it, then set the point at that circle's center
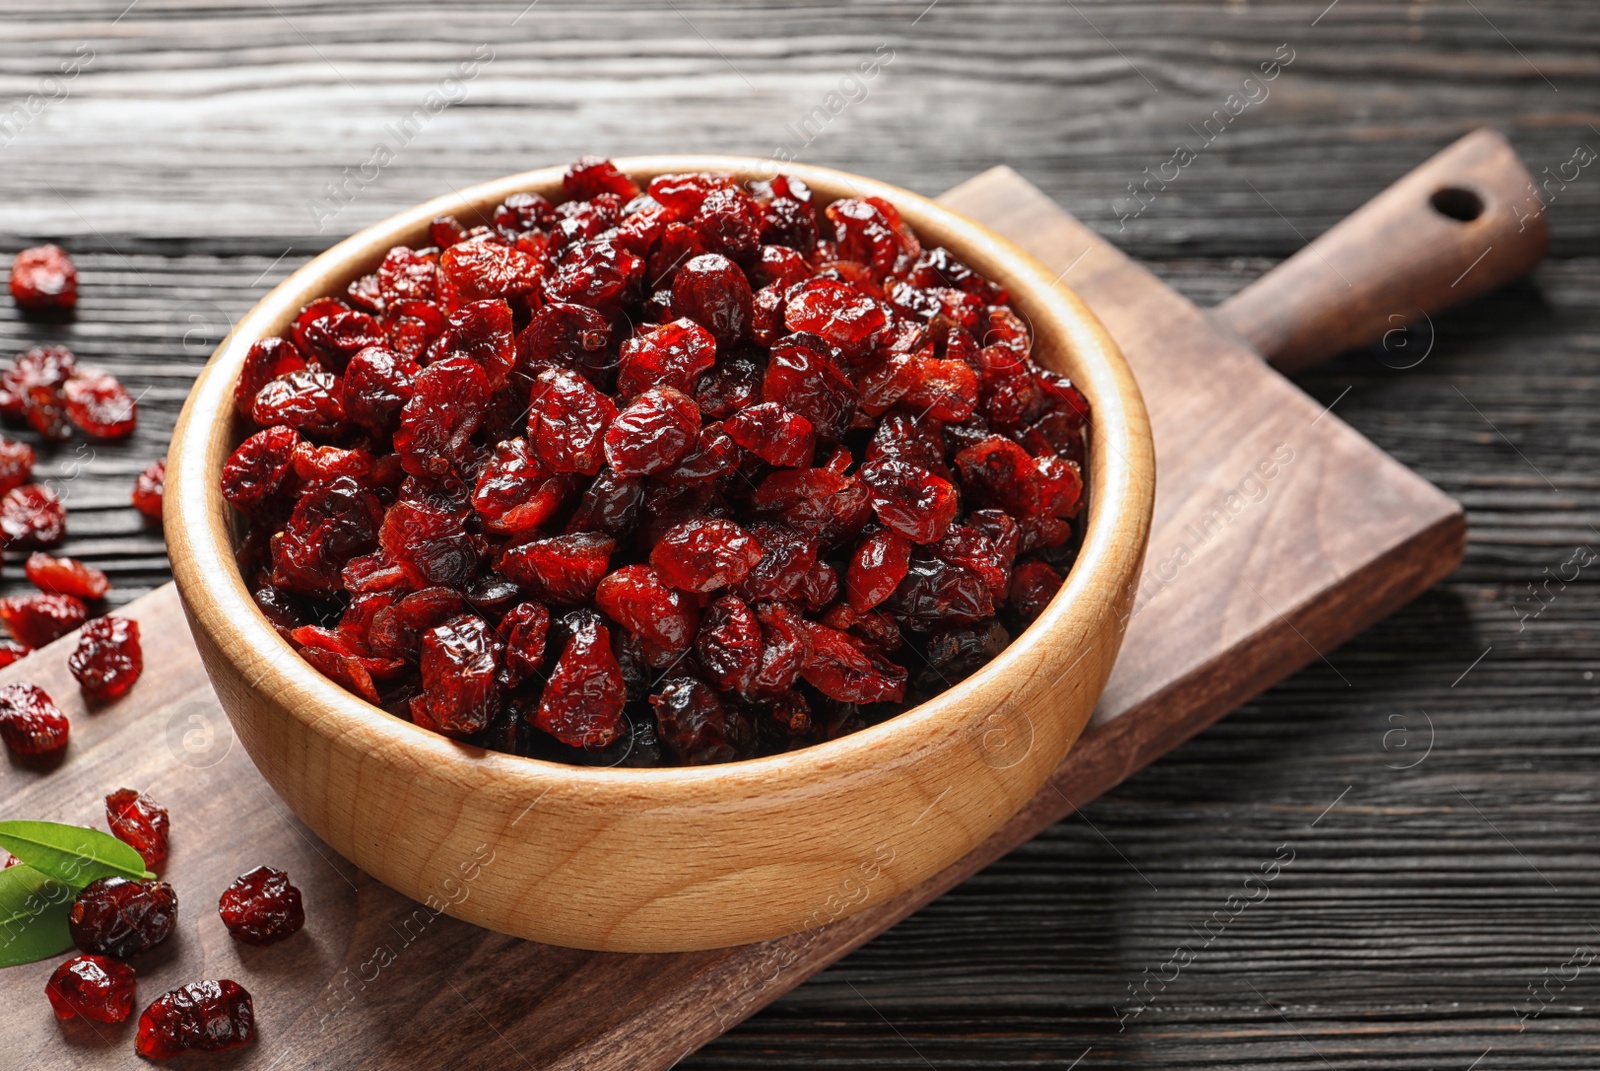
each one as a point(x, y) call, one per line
point(207, 1016)
point(638, 599)
point(100, 406)
point(66, 576)
point(654, 433)
point(582, 703)
point(108, 659)
point(32, 516)
point(95, 987)
point(459, 667)
point(44, 279)
point(149, 488)
point(30, 721)
point(37, 619)
point(16, 464)
point(704, 554)
point(139, 822)
point(120, 918)
point(261, 907)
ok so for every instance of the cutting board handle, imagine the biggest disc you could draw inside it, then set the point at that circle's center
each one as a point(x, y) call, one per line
point(1468, 220)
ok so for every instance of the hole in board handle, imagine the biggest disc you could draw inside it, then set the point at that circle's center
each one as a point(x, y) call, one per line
point(1457, 203)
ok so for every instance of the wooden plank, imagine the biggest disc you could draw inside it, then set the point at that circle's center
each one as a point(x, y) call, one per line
point(1318, 540)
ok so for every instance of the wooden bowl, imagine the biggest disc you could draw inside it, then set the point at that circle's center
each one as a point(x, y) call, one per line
point(647, 860)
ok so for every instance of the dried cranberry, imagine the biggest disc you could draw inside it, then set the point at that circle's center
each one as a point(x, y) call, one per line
point(1033, 585)
point(261, 907)
point(430, 543)
point(257, 471)
point(730, 222)
point(140, 822)
point(673, 355)
point(482, 333)
point(522, 633)
point(208, 1016)
point(582, 702)
point(599, 274)
point(773, 434)
point(935, 594)
point(842, 667)
point(16, 464)
point(696, 725)
point(876, 569)
point(334, 522)
point(713, 292)
point(447, 406)
point(44, 279)
point(30, 722)
point(100, 406)
point(567, 422)
point(66, 576)
point(563, 569)
point(147, 489)
point(484, 268)
point(32, 516)
point(458, 675)
point(804, 376)
point(38, 373)
point(121, 918)
point(310, 402)
point(654, 433)
point(38, 619)
point(108, 659)
point(563, 335)
point(838, 313)
point(12, 651)
point(911, 500)
point(638, 599)
point(95, 987)
point(377, 385)
point(705, 554)
point(593, 175)
point(729, 645)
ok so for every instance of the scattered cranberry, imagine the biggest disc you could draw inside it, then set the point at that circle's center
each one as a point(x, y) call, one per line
point(118, 917)
point(11, 651)
point(94, 987)
point(44, 279)
point(32, 516)
point(261, 907)
point(139, 822)
point(107, 659)
point(208, 1016)
point(16, 464)
point(30, 721)
point(38, 619)
point(681, 476)
point(66, 576)
point(100, 406)
point(149, 487)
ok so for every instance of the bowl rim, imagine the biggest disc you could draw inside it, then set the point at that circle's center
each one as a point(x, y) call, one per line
point(198, 529)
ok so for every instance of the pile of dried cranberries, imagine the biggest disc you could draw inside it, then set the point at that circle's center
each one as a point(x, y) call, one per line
point(682, 475)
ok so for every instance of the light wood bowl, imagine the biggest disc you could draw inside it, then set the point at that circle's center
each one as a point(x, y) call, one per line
point(662, 860)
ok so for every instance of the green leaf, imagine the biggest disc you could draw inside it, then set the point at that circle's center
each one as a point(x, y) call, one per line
point(33, 916)
point(71, 854)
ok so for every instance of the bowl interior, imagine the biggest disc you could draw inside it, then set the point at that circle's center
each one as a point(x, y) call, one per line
point(1066, 338)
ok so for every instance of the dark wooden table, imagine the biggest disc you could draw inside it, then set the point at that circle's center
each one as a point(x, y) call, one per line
point(1435, 786)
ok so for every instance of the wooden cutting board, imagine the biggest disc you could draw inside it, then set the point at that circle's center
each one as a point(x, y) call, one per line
point(1279, 532)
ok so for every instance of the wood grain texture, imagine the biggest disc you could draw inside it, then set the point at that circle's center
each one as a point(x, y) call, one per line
point(1468, 220)
point(1338, 536)
point(1408, 928)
